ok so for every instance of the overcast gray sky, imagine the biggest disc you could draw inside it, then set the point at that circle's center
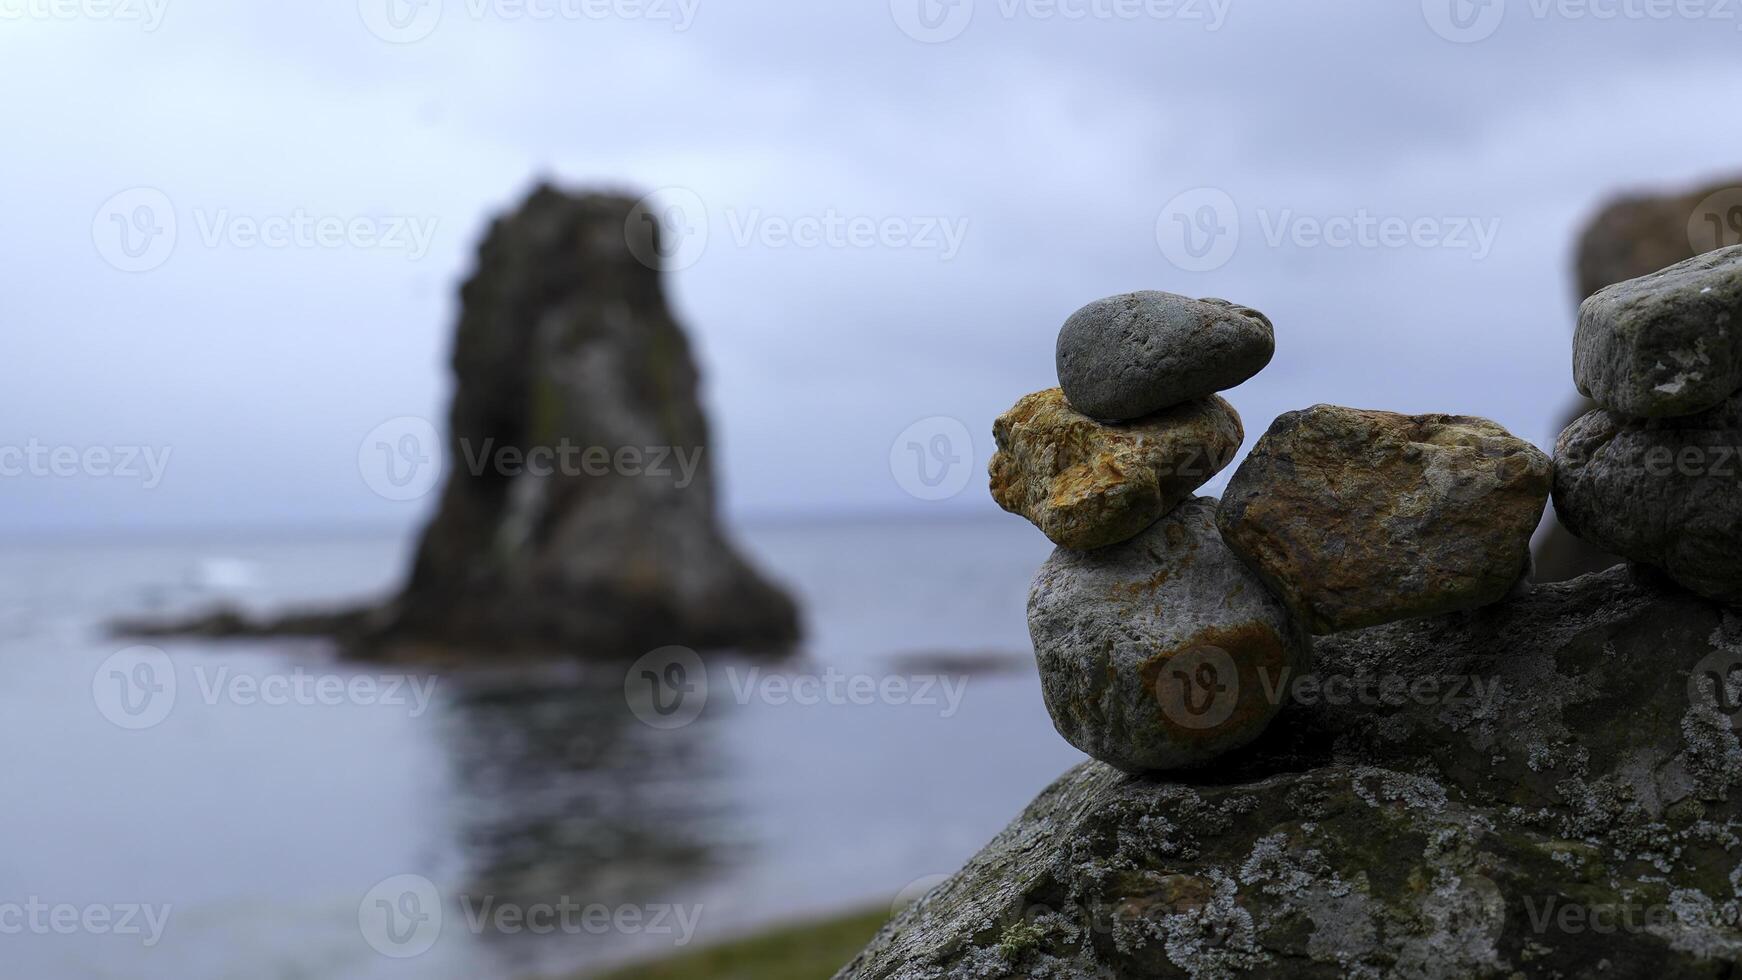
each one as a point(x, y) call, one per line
point(1015, 158)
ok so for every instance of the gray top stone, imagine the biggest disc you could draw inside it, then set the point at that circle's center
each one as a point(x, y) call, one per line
point(1665, 344)
point(1127, 356)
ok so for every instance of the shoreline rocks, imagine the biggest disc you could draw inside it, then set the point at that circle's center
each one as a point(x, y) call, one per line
point(1494, 835)
point(1651, 473)
point(1162, 652)
point(1357, 517)
point(1130, 355)
point(1087, 485)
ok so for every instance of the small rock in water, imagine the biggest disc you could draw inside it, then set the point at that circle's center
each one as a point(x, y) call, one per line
point(1358, 518)
point(1126, 356)
point(1662, 492)
point(1164, 651)
point(1088, 485)
point(1666, 344)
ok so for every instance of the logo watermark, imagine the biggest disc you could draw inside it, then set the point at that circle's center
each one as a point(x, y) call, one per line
point(938, 21)
point(403, 917)
point(148, 14)
point(138, 687)
point(1200, 230)
point(37, 917)
point(933, 459)
point(670, 229)
point(1717, 221)
point(1715, 683)
point(137, 230)
point(668, 688)
point(147, 464)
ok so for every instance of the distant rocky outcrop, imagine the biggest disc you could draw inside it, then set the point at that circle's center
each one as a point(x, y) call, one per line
point(580, 513)
point(1556, 791)
point(1631, 236)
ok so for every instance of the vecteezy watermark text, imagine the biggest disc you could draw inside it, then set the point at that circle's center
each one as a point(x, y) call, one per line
point(938, 21)
point(568, 459)
point(1470, 21)
point(668, 688)
point(408, 21)
point(36, 917)
point(148, 14)
point(403, 916)
point(670, 230)
point(33, 459)
point(1201, 229)
point(138, 687)
point(137, 230)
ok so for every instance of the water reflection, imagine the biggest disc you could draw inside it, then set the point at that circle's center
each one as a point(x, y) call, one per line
point(561, 794)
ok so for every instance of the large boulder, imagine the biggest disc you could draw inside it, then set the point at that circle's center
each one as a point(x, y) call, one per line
point(1562, 798)
point(1662, 492)
point(1162, 652)
point(565, 340)
point(1358, 517)
point(1088, 485)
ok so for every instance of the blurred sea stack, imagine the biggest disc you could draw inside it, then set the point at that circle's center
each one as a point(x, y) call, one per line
point(579, 515)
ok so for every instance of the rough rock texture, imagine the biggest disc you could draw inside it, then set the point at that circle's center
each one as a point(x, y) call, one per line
point(1567, 802)
point(1164, 651)
point(1663, 492)
point(1359, 517)
point(1631, 236)
point(1126, 356)
point(1087, 485)
point(565, 338)
point(1665, 344)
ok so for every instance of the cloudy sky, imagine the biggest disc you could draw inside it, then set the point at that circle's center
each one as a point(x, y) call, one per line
point(1015, 158)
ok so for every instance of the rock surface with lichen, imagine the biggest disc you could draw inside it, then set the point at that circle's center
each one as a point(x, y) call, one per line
point(1087, 485)
point(1546, 787)
point(1359, 517)
point(1161, 652)
point(1665, 344)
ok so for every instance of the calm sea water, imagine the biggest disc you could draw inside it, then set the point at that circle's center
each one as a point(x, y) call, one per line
point(252, 811)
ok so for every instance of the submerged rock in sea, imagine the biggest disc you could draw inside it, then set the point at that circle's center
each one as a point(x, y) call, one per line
point(1359, 517)
point(1553, 787)
point(1127, 356)
point(1665, 344)
point(1164, 651)
point(1087, 485)
point(1659, 491)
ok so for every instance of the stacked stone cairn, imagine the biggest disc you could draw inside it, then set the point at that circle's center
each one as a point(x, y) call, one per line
point(1654, 474)
point(1169, 628)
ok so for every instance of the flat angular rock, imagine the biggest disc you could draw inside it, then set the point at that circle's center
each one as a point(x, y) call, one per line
point(1667, 344)
point(1663, 492)
point(1088, 485)
point(1126, 356)
point(1358, 517)
point(1162, 652)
